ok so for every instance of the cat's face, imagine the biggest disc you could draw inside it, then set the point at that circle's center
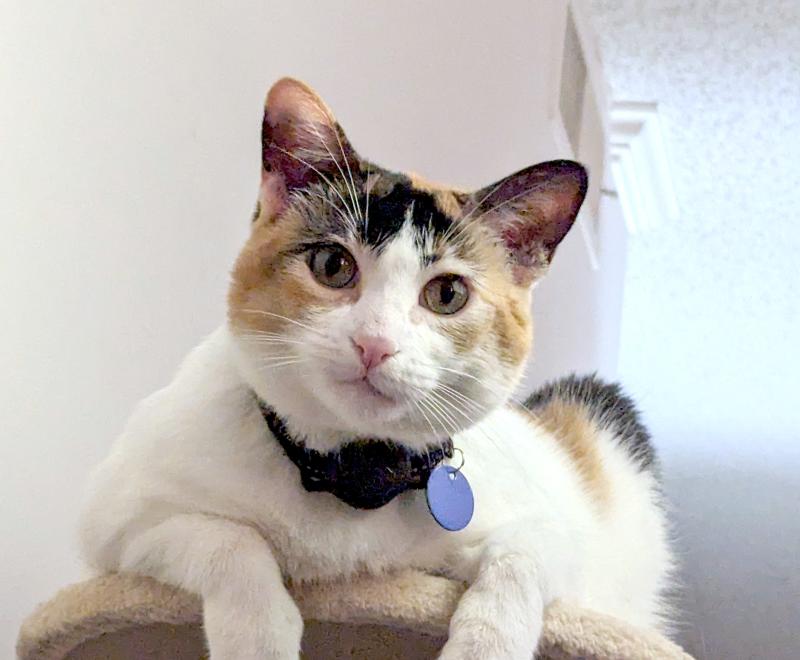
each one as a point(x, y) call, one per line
point(368, 302)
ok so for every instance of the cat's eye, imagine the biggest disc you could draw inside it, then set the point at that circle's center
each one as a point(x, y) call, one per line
point(333, 266)
point(445, 294)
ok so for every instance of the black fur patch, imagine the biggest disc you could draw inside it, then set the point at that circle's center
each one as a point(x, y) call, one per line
point(387, 215)
point(330, 210)
point(608, 407)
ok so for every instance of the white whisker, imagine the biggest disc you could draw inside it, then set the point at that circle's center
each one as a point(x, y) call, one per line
point(350, 189)
point(473, 424)
point(419, 407)
point(465, 400)
point(366, 213)
point(349, 171)
point(347, 219)
point(441, 414)
point(285, 318)
point(271, 340)
point(489, 388)
point(322, 176)
point(285, 363)
point(437, 418)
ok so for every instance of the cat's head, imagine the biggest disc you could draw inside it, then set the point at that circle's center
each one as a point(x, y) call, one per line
point(369, 302)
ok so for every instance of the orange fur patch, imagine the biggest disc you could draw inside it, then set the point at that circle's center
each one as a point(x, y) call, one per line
point(512, 329)
point(508, 328)
point(444, 197)
point(465, 336)
point(510, 324)
point(263, 283)
point(571, 428)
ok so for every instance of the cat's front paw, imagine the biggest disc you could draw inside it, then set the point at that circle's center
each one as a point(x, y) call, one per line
point(272, 632)
point(484, 645)
point(483, 637)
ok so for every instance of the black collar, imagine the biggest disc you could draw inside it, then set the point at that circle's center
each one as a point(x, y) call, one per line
point(366, 473)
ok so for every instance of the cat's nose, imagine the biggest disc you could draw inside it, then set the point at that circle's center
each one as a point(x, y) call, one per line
point(373, 350)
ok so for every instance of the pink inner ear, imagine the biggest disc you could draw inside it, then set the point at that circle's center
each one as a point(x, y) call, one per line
point(273, 195)
point(519, 239)
point(526, 251)
point(300, 137)
point(532, 210)
point(289, 99)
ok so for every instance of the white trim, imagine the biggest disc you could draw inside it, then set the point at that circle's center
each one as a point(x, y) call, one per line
point(585, 222)
point(591, 56)
point(560, 137)
point(558, 14)
point(640, 167)
point(590, 240)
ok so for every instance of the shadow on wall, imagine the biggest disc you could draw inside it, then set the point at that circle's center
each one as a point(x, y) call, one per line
point(738, 535)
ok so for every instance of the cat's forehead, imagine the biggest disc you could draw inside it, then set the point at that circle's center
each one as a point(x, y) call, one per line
point(378, 207)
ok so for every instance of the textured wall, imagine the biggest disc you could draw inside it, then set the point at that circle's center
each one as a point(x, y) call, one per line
point(711, 312)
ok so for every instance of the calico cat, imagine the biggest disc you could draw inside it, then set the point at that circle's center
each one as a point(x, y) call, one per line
point(377, 327)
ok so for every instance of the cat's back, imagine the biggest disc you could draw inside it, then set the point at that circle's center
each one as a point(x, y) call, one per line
point(598, 428)
point(587, 406)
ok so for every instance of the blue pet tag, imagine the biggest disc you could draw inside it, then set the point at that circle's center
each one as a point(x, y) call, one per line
point(450, 498)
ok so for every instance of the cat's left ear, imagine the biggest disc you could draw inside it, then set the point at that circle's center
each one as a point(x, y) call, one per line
point(301, 144)
point(531, 211)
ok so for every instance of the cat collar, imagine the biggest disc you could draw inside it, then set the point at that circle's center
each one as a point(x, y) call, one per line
point(365, 473)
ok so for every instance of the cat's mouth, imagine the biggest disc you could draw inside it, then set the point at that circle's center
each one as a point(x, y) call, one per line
point(364, 388)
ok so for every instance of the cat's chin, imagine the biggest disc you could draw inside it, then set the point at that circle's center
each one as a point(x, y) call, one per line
point(373, 408)
point(360, 400)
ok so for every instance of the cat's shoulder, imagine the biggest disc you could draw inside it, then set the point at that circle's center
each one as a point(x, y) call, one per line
point(205, 392)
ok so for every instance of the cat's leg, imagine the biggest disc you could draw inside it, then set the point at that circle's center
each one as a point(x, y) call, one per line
point(247, 612)
point(499, 617)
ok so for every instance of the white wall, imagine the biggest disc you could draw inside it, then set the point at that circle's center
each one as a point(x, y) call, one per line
point(578, 309)
point(128, 171)
point(711, 315)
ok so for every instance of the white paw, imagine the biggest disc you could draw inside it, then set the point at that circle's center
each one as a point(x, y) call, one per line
point(239, 633)
point(485, 633)
point(481, 643)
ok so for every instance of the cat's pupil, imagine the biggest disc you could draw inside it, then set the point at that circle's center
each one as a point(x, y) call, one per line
point(447, 292)
point(333, 264)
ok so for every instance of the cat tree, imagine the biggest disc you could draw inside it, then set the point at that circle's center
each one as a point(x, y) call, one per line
point(127, 617)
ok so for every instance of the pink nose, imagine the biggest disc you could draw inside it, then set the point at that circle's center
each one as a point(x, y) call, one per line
point(373, 350)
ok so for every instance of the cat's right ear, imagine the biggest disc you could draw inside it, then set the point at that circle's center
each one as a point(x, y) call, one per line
point(301, 144)
point(531, 211)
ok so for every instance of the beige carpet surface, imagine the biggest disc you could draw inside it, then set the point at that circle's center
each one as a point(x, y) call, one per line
point(387, 618)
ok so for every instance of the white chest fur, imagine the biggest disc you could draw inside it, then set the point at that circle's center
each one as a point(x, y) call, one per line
point(201, 446)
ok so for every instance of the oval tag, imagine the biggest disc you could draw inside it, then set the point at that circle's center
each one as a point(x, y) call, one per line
point(450, 498)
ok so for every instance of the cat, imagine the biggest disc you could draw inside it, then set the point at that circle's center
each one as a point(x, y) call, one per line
point(373, 309)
